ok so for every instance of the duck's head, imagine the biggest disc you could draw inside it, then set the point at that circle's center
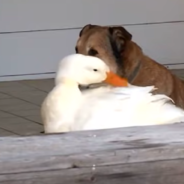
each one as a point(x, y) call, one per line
point(86, 70)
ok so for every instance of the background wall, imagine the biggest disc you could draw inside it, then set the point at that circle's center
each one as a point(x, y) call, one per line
point(36, 34)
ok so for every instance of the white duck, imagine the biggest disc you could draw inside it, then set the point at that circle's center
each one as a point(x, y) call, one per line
point(67, 108)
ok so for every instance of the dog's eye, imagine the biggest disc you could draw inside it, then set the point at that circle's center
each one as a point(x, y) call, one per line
point(76, 49)
point(95, 70)
point(92, 52)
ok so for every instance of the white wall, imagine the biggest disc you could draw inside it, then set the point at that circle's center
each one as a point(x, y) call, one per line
point(36, 34)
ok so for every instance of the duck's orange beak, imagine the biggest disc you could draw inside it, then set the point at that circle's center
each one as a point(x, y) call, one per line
point(115, 80)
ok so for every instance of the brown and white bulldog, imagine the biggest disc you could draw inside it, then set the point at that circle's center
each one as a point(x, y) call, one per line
point(115, 47)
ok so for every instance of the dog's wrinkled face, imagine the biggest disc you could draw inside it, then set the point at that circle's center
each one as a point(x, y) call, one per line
point(107, 43)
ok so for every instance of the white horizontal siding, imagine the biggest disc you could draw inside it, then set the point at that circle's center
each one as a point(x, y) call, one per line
point(23, 15)
point(163, 42)
point(56, 24)
point(39, 52)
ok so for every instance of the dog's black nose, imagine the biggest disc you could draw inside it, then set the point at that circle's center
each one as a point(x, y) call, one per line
point(42, 132)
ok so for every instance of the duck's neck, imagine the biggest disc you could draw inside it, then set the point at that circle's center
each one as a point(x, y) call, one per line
point(68, 89)
point(68, 82)
point(68, 99)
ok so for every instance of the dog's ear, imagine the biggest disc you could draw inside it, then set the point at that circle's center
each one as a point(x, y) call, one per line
point(120, 36)
point(85, 28)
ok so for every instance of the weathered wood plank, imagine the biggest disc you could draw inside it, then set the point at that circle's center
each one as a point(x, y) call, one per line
point(139, 155)
point(164, 172)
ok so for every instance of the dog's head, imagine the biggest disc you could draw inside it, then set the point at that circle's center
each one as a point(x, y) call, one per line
point(107, 43)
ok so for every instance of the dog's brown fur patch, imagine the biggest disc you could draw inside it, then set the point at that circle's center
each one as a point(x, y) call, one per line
point(115, 47)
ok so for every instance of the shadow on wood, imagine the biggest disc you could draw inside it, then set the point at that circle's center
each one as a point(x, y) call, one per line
point(138, 155)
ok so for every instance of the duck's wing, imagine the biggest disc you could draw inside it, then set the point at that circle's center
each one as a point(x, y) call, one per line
point(132, 90)
point(109, 104)
point(124, 106)
point(152, 109)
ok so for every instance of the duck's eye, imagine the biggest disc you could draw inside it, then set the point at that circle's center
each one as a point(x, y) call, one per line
point(92, 52)
point(95, 70)
point(76, 49)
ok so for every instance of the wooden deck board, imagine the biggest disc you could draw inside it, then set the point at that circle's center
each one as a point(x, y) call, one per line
point(138, 155)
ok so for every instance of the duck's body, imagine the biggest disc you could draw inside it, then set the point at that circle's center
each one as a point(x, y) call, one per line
point(67, 108)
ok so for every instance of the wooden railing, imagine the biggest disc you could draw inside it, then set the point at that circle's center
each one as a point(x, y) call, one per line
point(139, 155)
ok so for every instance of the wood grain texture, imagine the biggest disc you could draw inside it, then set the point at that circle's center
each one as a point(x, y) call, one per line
point(138, 155)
